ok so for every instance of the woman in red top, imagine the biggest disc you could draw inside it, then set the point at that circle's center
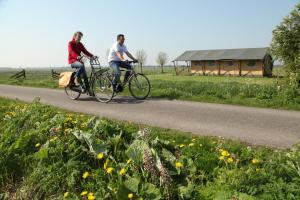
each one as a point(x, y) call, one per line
point(75, 48)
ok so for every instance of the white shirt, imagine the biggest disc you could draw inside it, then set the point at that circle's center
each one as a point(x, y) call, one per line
point(112, 56)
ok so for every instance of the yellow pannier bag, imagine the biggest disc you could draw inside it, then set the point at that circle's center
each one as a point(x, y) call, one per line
point(65, 79)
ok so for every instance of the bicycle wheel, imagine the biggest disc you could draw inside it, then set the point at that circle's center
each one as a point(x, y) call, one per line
point(139, 86)
point(102, 88)
point(73, 92)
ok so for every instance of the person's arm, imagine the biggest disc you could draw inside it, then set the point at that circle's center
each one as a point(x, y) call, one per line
point(72, 52)
point(120, 56)
point(130, 56)
point(83, 49)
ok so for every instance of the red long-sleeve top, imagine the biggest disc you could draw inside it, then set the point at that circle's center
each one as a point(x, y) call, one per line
point(75, 50)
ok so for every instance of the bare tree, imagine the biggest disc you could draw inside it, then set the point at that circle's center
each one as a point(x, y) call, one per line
point(141, 56)
point(161, 60)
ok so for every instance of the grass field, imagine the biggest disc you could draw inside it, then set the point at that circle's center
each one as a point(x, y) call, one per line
point(48, 153)
point(247, 91)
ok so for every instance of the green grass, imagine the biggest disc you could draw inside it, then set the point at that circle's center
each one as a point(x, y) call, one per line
point(247, 91)
point(45, 151)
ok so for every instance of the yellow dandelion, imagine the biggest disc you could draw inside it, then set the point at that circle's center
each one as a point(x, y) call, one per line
point(129, 161)
point(100, 156)
point(225, 153)
point(84, 193)
point(37, 145)
point(109, 170)
point(105, 164)
point(130, 196)
point(221, 158)
point(66, 194)
point(191, 144)
point(91, 197)
point(178, 165)
point(230, 160)
point(182, 145)
point(85, 175)
point(122, 172)
point(255, 161)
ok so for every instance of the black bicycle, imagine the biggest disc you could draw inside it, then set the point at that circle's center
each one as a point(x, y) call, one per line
point(100, 86)
point(138, 83)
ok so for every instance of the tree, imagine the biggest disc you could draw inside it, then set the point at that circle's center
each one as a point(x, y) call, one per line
point(286, 41)
point(161, 60)
point(141, 56)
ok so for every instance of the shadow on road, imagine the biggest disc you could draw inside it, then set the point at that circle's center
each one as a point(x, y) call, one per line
point(120, 100)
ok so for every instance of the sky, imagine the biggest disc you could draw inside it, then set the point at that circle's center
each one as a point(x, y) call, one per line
point(35, 33)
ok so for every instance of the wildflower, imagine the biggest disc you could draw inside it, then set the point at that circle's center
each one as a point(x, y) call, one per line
point(130, 196)
point(109, 170)
point(53, 139)
point(230, 160)
point(66, 194)
point(84, 193)
point(194, 139)
point(221, 158)
point(129, 161)
point(105, 164)
point(13, 114)
point(91, 196)
point(100, 156)
point(85, 175)
point(182, 145)
point(122, 172)
point(191, 144)
point(37, 145)
point(178, 165)
point(225, 153)
point(255, 161)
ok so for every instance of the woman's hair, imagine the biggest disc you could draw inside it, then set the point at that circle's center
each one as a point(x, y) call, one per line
point(78, 32)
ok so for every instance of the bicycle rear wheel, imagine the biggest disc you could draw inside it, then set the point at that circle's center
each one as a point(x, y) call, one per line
point(139, 86)
point(73, 92)
point(103, 88)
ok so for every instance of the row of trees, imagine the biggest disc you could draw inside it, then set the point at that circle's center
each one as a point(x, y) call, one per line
point(161, 60)
point(141, 55)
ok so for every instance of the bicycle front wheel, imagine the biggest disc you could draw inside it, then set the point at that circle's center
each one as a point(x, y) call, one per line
point(102, 88)
point(139, 86)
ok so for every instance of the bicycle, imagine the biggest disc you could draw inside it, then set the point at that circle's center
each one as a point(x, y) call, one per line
point(138, 83)
point(96, 82)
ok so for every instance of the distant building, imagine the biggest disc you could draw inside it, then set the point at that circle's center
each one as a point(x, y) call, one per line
point(232, 62)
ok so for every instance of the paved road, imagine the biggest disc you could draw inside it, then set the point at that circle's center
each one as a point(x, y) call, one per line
point(274, 128)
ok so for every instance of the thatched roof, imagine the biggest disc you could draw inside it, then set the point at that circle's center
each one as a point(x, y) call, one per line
point(224, 54)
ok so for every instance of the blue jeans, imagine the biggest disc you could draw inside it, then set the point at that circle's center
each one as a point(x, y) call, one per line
point(81, 72)
point(115, 65)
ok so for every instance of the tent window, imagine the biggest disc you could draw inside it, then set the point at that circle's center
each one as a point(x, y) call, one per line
point(211, 63)
point(229, 63)
point(251, 63)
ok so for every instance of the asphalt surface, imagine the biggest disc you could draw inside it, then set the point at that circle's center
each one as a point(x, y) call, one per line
point(258, 126)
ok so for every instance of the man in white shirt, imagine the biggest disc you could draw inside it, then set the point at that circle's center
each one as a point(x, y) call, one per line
point(116, 59)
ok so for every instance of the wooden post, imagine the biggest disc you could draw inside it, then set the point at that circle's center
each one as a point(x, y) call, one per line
point(219, 68)
point(240, 68)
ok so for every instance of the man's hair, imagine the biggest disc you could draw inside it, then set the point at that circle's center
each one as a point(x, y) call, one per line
point(78, 32)
point(120, 36)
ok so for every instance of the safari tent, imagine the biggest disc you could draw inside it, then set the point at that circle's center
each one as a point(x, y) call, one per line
point(232, 62)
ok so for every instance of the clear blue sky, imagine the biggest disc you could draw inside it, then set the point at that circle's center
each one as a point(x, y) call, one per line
point(34, 33)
